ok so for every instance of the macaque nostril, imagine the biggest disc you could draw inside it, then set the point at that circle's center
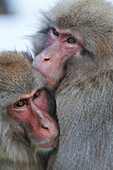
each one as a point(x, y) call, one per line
point(44, 127)
point(46, 59)
point(45, 123)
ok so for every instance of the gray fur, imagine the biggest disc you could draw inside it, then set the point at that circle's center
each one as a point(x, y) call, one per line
point(85, 96)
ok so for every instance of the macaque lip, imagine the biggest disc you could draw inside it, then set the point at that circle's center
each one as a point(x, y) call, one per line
point(50, 80)
point(48, 144)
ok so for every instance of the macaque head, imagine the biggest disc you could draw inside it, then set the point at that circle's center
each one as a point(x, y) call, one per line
point(76, 38)
point(29, 105)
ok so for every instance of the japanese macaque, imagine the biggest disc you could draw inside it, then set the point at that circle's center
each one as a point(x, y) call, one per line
point(77, 38)
point(28, 122)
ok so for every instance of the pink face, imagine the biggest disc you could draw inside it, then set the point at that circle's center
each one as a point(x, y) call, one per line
point(60, 46)
point(31, 111)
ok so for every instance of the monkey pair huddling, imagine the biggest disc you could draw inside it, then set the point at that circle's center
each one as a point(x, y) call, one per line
point(74, 52)
point(28, 122)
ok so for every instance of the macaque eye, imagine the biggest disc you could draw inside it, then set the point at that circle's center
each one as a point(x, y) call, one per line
point(37, 94)
point(55, 32)
point(20, 103)
point(71, 40)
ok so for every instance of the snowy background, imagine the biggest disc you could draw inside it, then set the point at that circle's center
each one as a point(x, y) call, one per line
point(15, 27)
point(20, 22)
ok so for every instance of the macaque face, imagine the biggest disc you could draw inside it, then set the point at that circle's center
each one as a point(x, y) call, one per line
point(32, 112)
point(59, 47)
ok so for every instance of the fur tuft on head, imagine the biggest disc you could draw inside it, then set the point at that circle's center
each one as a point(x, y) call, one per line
point(17, 76)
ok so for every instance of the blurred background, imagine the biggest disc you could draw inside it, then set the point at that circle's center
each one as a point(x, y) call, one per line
point(18, 19)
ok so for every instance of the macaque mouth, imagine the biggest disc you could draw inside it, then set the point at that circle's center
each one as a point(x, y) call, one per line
point(48, 143)
point(52, 80)
point(49, 79)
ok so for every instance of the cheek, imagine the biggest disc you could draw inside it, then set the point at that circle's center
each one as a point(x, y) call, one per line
point(24, 116)
point(21, 114)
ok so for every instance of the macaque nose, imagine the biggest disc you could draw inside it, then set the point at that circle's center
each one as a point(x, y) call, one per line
point(48, 127)
point(45, 123)
point(44, 120)
point(41, 62)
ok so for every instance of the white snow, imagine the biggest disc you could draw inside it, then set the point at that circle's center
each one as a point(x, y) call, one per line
point(15, 28)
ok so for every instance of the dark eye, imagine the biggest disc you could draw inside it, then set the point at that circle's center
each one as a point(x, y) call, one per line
point(20, 103)
point(37, 94)
point(71, 40)
point(55, 33)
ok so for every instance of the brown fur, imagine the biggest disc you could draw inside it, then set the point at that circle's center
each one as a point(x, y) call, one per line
point(17, 77)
